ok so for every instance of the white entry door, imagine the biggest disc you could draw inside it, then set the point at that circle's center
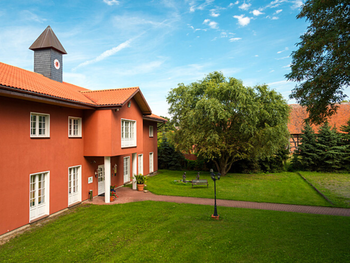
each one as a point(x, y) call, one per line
point(101, 179)
point(126, 169)
point(140, 162)
point(74, 185)
point(39, 195)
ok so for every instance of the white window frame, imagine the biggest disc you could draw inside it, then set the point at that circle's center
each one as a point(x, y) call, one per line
point(128, 133)
point(76, 186)
point(151, 131)
point(151, 162)
point(140, 163)
point(37, 209)
point(72, 131)
point(126, 169)
point(35, 125)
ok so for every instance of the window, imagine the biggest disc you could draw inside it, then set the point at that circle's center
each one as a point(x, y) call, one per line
point(151, 169)
point(126, 169)
point(74, 127)
point(74, 185)
point(39, 125)
point(150, 131)
point(128, 133)
point(140, 162)
point(38, 195)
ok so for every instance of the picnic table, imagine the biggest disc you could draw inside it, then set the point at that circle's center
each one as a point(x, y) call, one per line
point(200, 182)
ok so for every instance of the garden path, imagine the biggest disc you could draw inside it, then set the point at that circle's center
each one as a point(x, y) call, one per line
point(127, 195)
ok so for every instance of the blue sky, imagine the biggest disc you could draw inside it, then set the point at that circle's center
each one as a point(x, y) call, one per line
point(157, 44)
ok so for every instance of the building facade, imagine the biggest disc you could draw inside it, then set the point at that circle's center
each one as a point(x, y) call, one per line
point(60, 141)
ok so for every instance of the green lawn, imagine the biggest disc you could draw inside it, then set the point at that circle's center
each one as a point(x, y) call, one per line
point(169, 232)
point(335, 186)
point(286, 188)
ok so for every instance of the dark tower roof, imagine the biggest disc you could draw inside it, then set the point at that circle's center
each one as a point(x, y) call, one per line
point(48, 39)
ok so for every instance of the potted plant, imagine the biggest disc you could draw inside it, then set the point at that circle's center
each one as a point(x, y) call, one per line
point(113, 195)
point(141, 180)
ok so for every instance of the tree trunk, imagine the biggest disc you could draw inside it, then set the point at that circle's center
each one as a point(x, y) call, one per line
point(223, 165)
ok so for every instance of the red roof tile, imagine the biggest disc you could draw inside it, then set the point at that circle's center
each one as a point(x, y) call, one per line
point(28, 81)
point(111, 96)
point(25, 80)
point(298, 114)
point(156, 117)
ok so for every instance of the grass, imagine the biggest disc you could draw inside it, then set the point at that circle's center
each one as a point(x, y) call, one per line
point(286, 188)
point(335, 186)
point(169, 232)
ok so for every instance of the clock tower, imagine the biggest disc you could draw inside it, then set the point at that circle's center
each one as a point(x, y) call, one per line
point(48, 52)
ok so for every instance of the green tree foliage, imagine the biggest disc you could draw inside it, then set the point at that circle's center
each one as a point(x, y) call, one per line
point(329, 148)
point(322, 63)
point(346, 142)
point(305, 157)
point(226, 121)
point(165, 129)
point(168, 158)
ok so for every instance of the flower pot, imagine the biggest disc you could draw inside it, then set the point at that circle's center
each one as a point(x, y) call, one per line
point(140, 187)
point(112, 198)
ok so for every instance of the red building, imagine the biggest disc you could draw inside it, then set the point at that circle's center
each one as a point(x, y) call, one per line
point(59, 141)
point(298, 114)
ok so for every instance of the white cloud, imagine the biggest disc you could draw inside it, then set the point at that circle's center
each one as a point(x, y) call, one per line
point(286, 66)
point(271, 71)
point(256, 56)
point(212, 24)
point(285, 49)
point(235, 39)
point(223, 34)
point(213, 13)
point(245, 6)
point(256, 12)
point(275, 3)
point(106, 54)
point(194, 7)
point(297, 4)
point(111, 2)
point(283, 57)
point(278, 11)
point(31, 16)
point(243, 21)
point(232, 4)
point(275, 18)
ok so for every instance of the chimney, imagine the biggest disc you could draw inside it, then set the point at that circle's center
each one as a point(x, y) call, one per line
point(48, 52)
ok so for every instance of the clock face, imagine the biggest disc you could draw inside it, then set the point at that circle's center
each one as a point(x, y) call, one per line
point(56, 63)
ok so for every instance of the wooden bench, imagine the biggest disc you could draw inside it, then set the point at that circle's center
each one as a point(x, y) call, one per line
point(200, 182)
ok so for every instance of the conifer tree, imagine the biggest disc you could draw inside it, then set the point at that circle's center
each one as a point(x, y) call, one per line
point(346, 142)
point(329, 148)
point(307, 149)
point(168, 158)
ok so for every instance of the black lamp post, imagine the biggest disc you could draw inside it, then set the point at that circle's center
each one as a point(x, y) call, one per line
point(215, 215)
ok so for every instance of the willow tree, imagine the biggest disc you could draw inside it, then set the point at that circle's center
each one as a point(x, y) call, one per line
point(225, 122)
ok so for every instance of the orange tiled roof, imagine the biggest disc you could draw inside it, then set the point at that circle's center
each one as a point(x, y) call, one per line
point(111, 96)
point(298, 114)
point(153, 116)
point(25, 80)
point(28, 81)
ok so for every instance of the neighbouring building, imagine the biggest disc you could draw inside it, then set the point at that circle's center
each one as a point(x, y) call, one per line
point(60, 141)
point(298, 114)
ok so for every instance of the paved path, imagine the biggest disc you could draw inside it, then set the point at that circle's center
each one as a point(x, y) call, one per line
point(127, 195)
